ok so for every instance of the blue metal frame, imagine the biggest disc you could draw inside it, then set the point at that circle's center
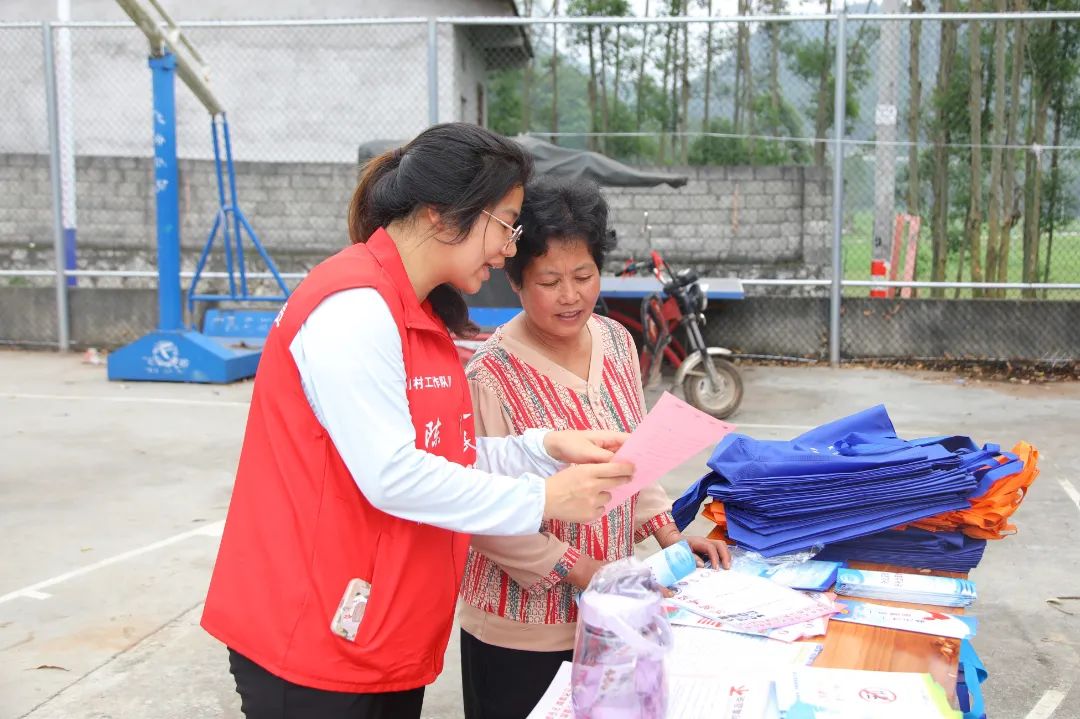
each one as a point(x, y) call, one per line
point(232, 238)
point(166, 192)
point(173, 353)
point(493, 316)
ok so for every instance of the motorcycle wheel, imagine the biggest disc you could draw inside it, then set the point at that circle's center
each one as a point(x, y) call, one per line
point(699, 391)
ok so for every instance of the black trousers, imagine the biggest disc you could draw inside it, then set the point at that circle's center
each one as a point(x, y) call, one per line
point(500, 683)
point(266, 696)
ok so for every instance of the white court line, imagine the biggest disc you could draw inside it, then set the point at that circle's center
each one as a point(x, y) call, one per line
point(36, 595)
point(1046, 705)
point(1070, 490)
point(136, 400)
point(233, 403)
point(34, 590)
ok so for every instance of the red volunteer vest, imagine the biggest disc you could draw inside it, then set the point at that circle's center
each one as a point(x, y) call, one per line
point(298, 528)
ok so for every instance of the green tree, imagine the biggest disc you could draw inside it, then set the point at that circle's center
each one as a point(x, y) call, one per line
point(597, 39)
point(555, 72)
point(709, 150)
point(812, 60)
point(996, 209)
point(974, 216)
point(1053, 59)
point(944, 101)
point(1062, 204)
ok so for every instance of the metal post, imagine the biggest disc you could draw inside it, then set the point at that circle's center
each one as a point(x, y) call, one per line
point(165, 191)
point(63, 341)
point(839, 120)
point(433, 71)
point(64, 108)
point(885, 151)
point(222, 219)
point(234, 206)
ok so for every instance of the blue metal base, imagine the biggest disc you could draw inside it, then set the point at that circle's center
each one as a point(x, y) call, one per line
point(248, 325)
point(183, 356)
point(491, 317)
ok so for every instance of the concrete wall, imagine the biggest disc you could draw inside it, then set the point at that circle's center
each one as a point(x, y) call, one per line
point(748, 222)
point(780, 326)
point(297, 210)
point(740, 221)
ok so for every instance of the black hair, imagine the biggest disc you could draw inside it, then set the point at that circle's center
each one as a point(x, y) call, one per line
point(456, 168)
point(557, 209)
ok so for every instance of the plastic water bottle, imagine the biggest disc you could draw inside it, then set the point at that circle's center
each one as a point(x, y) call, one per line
point(672, 564)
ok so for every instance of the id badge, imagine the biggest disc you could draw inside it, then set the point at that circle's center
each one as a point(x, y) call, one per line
point(350, 611)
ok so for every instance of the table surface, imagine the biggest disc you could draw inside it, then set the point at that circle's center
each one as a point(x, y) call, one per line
point(858, 646)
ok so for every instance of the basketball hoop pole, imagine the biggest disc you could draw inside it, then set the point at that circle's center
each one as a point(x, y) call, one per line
point(166, 197)
point(230, 345)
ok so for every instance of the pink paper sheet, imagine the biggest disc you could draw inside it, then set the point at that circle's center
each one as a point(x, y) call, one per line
point(670, 434)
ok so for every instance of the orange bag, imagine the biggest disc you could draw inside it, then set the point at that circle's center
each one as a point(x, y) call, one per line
point(714, 510)
point(988, 516)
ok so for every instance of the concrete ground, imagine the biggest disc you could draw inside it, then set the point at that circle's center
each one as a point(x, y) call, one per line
point(112, 498)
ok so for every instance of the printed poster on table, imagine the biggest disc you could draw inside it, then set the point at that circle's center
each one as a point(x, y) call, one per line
point(745, 602)
point(923, 621)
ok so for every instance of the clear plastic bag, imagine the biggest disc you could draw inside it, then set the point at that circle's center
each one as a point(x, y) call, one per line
point(744, 558)
point(622, 637)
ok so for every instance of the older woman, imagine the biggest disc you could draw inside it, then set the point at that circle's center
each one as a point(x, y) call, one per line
point(555, 365)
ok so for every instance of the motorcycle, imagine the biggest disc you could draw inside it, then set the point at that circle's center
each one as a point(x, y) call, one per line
point(709, 381)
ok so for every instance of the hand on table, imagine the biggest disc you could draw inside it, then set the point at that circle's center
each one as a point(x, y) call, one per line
point(714, 550)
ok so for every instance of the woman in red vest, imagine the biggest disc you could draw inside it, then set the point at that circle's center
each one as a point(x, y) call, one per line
point(360, 477)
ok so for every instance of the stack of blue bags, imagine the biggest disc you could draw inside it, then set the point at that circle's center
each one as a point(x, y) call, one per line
point(849, 479)
point(911, 547)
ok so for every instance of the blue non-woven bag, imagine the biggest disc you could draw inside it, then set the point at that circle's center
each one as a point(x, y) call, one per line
point(911, 547)
point(844, 479)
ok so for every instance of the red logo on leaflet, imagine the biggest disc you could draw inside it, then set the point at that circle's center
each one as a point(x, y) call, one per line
point(877, 696)
point(737, 691)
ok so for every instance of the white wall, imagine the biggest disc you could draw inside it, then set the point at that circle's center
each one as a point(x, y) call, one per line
point(21, 10)
point(292, 94)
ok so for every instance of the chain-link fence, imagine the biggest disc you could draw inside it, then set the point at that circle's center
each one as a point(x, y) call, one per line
point(26, 217)
point(743, 108)
point(953, 129)
point(961, 167)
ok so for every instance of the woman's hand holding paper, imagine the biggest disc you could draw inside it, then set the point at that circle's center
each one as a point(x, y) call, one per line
point(583, 446)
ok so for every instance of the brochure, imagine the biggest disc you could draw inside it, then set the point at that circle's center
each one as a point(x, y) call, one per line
point(745, 602)
point(922, 621)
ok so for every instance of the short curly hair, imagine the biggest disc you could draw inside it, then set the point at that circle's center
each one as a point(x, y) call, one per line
point(560, 210)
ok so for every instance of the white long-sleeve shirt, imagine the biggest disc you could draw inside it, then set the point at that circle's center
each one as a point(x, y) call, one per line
point(349, 355)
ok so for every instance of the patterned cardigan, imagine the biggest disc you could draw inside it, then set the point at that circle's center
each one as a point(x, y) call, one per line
point(513, 591)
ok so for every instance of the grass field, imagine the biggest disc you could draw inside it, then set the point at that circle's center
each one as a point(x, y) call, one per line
point(1065, 267)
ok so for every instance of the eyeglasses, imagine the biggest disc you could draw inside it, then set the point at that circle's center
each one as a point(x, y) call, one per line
point(515, 232)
